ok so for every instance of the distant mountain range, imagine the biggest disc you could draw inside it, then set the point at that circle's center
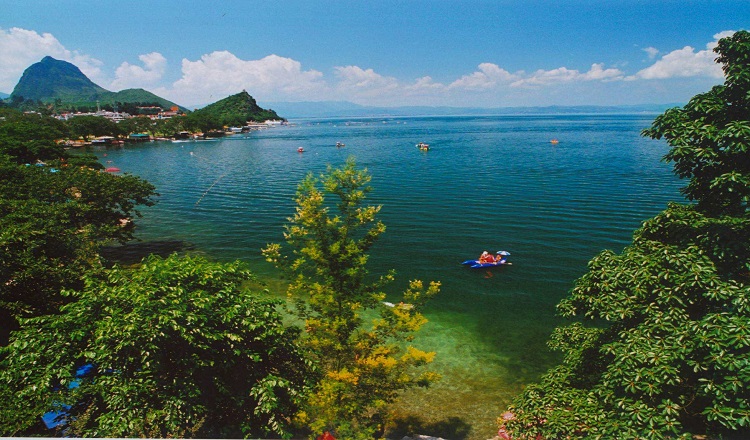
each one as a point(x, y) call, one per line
point(332, 109)
point(52, 80)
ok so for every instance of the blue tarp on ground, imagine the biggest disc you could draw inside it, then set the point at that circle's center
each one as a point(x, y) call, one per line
point(54, 419)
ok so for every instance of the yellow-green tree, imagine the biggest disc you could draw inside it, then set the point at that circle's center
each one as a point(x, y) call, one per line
point(361, 344)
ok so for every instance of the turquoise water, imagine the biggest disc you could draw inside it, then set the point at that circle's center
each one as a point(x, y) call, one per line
point(487, 183)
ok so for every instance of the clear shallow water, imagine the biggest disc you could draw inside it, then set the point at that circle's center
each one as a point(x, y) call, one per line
point(487, 183)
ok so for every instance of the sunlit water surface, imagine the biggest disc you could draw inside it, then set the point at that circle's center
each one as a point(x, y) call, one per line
point(487, 183)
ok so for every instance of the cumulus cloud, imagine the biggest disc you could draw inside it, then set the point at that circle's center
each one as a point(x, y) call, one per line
point(686, 62)
point(219, 74)
point(425, 84)
point(353, 83)
point(132, 76)
point(597, 72)
point(487, 77)
point(488, 82)
point(652, 52)
point(717, 37)
point(21, 48)
point(359, 80)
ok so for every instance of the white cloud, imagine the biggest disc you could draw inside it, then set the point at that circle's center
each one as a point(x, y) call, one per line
point(652, 52)
point(487, 77)
point(717, 37)
point(220, 74)
point(274, 78)
point(132, 76)
point(358, 80)
point(425, 84)
point(541, 78)
point(365, 86)
point(599, 73)
point(21, 48)
point(686, 62)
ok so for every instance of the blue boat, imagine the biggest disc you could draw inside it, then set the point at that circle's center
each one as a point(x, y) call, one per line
point(476, 264)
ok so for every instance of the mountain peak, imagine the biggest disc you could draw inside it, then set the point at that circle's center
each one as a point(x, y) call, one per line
point(237, 109)
point(51, 79)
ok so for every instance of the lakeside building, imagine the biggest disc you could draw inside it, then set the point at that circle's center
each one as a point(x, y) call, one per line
point(152, 112)
point(114, 116)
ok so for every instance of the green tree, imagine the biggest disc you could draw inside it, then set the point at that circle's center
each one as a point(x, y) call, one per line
point(54, 216)
point(51, 227)
point(174, 125)
point(174, 348)
point(135, 125)
point(672, 357)
point(85, 126)
point(362, 367)
point(31, 137)
point(203, 122)
point(710, 135)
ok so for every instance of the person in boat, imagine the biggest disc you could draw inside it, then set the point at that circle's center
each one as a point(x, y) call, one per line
point(486, 257)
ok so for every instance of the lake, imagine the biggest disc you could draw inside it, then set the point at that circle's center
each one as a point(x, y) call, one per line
point(487, 183)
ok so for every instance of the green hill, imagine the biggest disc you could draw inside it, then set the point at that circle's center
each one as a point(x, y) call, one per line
point(137, 95)
point(51, 80)
point(236, 110)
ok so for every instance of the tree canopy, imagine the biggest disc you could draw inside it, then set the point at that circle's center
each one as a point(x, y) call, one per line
point(85, 126)
point(710, 136)
point(174, 348)
point(27, 138)
point(56, 210)
point(670, 358)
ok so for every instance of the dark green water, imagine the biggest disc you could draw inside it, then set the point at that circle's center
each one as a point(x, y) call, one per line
point(487, 183)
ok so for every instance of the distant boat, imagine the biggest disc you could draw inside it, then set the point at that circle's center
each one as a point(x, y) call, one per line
point(423, 147)
point(339, 144)
point(554, 141)
point(102, 140)
point(300, 150)
point(112, 170)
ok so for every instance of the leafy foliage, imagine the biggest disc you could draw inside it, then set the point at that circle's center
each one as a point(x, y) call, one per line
point(28, 138)
point(362, 367)
point(710, 136)
point(134, 125)
point(175, 349)
point(53, 216)
point(85, 126)
point(672, 359)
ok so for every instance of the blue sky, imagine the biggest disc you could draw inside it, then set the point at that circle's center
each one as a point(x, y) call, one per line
point(457, 53)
